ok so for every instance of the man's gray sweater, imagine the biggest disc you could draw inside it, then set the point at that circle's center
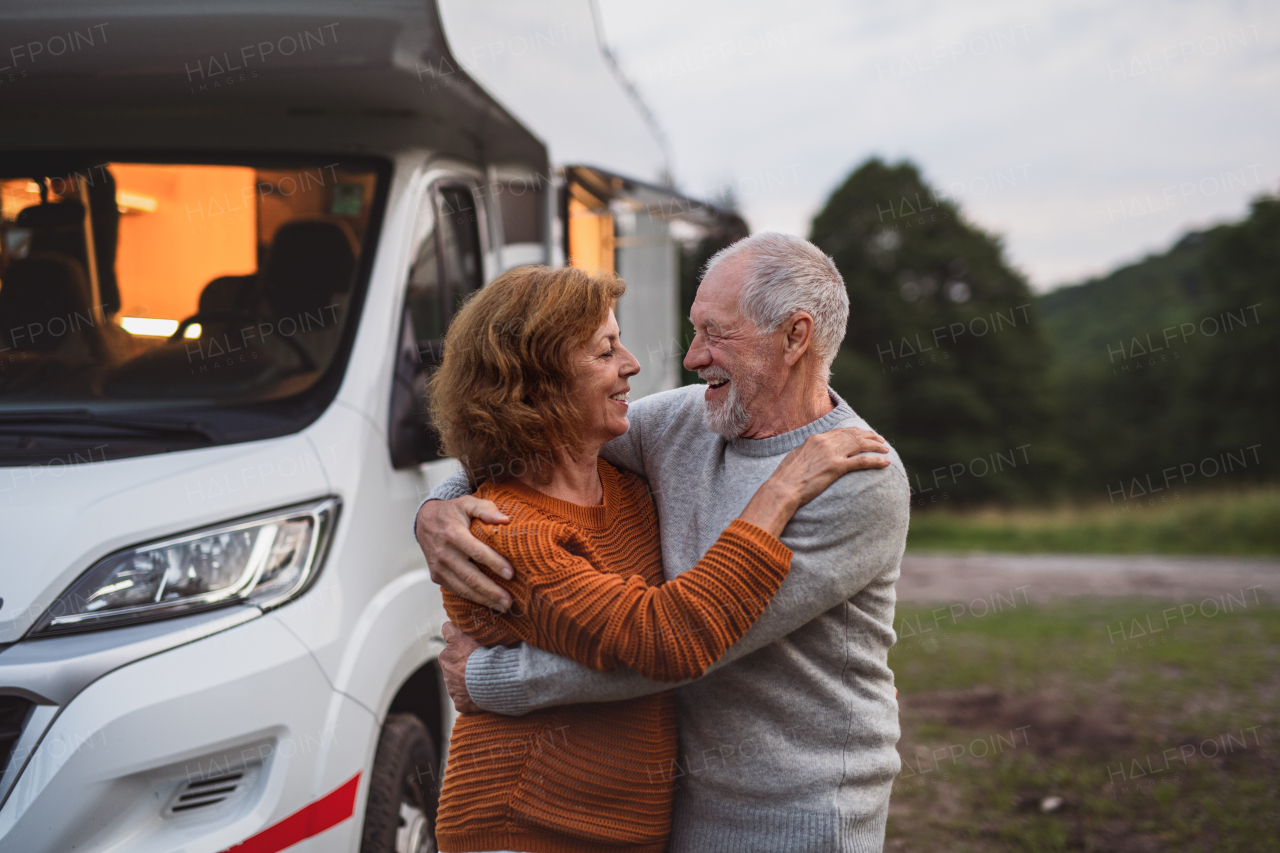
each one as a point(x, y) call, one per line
point(787, 743)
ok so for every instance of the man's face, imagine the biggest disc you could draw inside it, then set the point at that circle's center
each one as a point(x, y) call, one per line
point(740, 364)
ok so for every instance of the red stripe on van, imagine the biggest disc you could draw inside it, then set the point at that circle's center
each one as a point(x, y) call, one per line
point(312, 819)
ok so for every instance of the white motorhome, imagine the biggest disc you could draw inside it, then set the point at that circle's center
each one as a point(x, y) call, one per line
point(232, 237)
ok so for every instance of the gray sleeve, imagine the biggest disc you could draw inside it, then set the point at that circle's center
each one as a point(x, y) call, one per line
point(850, 535)
point(514, 680)
point(457, 485)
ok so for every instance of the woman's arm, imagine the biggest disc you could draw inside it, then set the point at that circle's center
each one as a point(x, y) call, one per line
point(567, 604)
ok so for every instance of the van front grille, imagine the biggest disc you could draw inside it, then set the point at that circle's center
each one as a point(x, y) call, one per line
point(205, 793)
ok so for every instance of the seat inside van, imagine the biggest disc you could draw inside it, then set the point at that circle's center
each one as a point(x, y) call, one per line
point(46, 306)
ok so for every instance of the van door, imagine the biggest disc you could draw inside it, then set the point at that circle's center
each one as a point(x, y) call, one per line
point(447, 267)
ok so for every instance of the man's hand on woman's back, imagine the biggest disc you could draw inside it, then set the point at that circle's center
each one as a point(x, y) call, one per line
point(453, 663)
point(443, 530)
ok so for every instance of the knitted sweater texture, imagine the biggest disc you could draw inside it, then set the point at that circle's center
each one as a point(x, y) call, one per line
point(589, 586)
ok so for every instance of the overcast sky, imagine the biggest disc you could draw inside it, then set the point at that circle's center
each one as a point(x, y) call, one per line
point(1086, 134)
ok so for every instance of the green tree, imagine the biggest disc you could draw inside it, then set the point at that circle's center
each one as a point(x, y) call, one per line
point(945, 353)
point(1237, 388)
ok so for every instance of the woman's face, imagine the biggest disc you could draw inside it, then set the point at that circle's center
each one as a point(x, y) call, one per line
point(601, 383)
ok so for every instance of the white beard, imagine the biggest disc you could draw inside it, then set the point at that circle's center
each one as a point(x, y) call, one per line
point(729, 418)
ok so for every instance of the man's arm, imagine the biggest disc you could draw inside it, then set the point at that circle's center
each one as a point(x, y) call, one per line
point(456, 485)
point(841, 541)
point(442, 527)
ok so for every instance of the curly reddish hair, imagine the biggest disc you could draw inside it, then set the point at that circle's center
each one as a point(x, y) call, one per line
point(502, 399)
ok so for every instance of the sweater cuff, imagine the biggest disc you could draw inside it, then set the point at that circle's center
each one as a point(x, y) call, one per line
point(493, 680)
point(760, 539)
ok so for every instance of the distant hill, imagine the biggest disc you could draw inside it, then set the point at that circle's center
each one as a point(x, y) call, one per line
point(1159, 291)
point(1134, 399)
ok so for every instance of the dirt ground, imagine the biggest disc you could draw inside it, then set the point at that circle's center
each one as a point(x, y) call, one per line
point(1070, 706)
point(935, 578)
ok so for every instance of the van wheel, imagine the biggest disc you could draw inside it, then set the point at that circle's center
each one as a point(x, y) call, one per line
point(404, 791)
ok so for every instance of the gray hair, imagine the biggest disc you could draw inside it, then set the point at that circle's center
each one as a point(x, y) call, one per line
point(783, 275)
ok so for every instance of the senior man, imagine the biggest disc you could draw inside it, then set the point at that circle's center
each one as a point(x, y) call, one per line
point(787, 743)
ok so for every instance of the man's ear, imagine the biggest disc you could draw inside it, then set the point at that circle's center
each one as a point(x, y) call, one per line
point(797, 336)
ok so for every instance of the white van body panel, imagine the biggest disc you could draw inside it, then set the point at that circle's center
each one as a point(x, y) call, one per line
point(114, 758)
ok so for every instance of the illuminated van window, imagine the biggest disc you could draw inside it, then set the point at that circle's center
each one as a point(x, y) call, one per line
point(138, 282)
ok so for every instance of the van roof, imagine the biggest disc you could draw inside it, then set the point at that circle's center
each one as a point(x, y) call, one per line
point(287, 75)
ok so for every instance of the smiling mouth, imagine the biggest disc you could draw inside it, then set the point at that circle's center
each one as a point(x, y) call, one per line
point(717, 383)
point(620, 398)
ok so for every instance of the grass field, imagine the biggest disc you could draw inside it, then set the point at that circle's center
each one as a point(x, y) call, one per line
point(1235, 523)
point(1080, 726)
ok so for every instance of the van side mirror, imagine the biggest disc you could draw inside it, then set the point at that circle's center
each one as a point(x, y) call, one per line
point(410, 436)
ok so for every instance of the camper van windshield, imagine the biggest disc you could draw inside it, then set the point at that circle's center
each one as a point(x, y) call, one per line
point(150, 305)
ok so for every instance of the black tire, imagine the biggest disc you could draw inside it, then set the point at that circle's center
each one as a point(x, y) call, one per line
point(404, 790)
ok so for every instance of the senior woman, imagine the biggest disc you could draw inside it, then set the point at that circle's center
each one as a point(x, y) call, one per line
point(533, 382)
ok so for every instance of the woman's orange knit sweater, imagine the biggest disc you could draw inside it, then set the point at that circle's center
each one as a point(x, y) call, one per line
point(589, 586)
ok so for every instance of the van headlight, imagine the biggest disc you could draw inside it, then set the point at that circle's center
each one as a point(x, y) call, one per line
point(265, 560)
